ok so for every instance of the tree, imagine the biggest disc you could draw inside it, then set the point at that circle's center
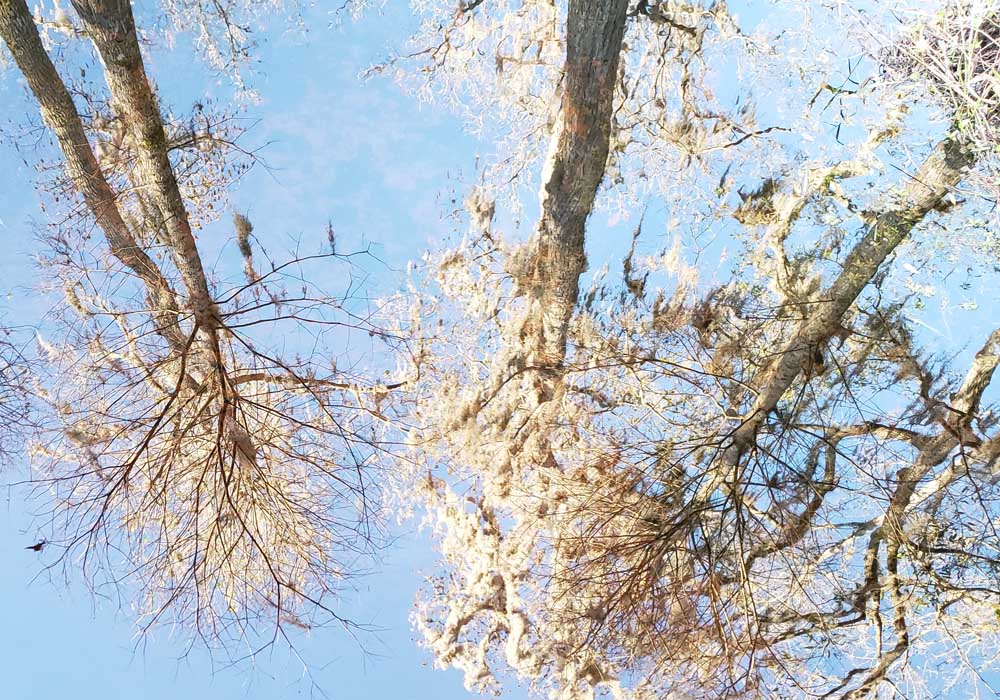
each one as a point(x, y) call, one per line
point(762, 488)
point(230, 483)
point(643, 485)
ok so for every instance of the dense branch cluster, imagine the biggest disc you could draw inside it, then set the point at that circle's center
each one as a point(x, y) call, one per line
point(190, 456)
point(955, 53)
point(643, 483)
point(15, 405)
point(600, 533)
point(754, 489)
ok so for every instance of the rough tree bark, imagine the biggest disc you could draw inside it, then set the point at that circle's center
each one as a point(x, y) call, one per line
point(577, 158)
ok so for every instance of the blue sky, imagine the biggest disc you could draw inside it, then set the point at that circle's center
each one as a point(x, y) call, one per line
point(382, 169)
point(364, 156)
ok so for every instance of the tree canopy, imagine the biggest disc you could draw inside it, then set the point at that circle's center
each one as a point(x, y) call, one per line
point(738, 463)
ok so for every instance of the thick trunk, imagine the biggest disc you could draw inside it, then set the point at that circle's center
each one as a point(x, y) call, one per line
point(938, 175)
point(577, 158)
point(111, 27)
point(17, 27)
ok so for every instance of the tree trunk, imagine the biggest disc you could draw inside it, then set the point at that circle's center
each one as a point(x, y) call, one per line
point(937, 176)
point(575, 166)
point(17, 27)
point(111, 27)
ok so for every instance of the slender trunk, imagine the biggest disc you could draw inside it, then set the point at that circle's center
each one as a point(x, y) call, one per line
point(577, 158)
point(954, 433)
point(937, 176)
point(111, 27)
point(934, 452)
point(17, 27)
